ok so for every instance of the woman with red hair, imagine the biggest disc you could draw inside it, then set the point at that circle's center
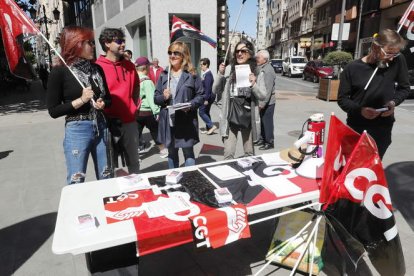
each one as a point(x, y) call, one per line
point(86, 130)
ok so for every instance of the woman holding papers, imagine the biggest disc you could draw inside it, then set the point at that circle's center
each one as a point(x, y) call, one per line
point(86, 131)
point(239, 92)
point(179, 92)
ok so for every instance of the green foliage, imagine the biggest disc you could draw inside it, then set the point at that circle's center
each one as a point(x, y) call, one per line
point(338, 58)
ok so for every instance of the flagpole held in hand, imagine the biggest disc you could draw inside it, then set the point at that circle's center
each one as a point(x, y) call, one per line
point(234, 29)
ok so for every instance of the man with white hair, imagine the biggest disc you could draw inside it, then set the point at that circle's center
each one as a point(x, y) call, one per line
point(267, 106)
point(155, 71)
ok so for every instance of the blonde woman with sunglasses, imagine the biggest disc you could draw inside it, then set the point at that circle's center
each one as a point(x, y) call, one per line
point(180, 85)
point(373, 85)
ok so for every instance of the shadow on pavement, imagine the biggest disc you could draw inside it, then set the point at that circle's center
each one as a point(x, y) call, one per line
point(19, 100)
point(400, 177)
point(4, 154)
point(21, 240)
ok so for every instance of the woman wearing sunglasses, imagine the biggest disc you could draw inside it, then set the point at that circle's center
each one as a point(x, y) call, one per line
point(372, 86)
point(85, 128)
point(238, 102)
point(181, 84)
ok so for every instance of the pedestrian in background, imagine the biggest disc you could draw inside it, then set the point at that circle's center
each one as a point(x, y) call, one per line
point(148, 112)
point(43, 75)
point(237, 109)
point(123, 84)
point(209, 96)
point(86, 130)
point(180, 85)
point(155, 71)
point(388, 88)
point(267, 75)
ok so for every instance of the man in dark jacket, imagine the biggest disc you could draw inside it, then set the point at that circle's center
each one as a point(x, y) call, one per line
point(209, 96)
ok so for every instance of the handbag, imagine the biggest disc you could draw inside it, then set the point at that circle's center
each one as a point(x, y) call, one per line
point(240, 112)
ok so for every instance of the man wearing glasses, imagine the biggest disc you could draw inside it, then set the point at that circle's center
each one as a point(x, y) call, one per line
point(372, 86)
point(123, 85)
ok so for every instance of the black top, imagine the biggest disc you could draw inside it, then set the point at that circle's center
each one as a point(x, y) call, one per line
point(390, 83)
point(63, 88)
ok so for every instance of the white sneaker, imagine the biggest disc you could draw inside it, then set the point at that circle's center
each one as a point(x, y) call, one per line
point(211, 130)
point(164, 153)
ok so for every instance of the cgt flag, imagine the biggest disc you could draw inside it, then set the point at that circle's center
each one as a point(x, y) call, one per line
point(181, 28)
point(361, 204)
point(219, 227)
point(341, 141)
point(15, 28)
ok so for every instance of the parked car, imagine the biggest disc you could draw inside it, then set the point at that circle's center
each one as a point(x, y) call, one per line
point(277, 65)
point(293, 66)
point(316, 70)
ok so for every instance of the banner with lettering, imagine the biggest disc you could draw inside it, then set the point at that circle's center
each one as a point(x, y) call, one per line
point(219, 227)
point(361, 204)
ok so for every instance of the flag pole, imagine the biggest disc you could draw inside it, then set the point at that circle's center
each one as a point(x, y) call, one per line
point(234, 29)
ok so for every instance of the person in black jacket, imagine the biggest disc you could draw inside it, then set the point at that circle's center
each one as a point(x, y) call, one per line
point(86, 130)
point(209, 96)
point(372, 86)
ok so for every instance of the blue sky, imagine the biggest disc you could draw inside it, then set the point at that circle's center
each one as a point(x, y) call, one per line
point(247, 21)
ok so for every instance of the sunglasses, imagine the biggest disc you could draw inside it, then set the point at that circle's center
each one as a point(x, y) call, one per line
point(390, 54)
point(243, 51)
point(175, 53)
point(119, 41)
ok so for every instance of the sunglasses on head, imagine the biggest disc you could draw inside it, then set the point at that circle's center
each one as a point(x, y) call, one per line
point(243, 51)
point(393, 55)
point(119, 41)
point(175, 53)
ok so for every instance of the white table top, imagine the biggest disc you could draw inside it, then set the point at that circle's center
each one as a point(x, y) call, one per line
point(88, 198)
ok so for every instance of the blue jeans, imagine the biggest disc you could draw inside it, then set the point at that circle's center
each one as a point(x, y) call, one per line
point(173, 161)
point(81, 139)
point(204, 112)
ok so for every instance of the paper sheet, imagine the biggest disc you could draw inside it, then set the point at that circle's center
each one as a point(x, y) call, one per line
point(164, 206)
point(280, 186)
point(225, 172)
point(242, 75)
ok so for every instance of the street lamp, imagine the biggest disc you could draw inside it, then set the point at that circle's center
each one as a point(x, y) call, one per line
point(45, 20)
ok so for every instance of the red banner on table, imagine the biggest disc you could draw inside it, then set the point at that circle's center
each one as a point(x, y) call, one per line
point(159, 233)
point(219, 227)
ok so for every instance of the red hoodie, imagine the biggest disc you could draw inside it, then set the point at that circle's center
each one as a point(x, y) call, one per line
point(122, 80)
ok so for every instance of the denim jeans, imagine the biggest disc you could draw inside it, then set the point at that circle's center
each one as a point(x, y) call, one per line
point(204, 112)
point(173, 161)
point(81, 139)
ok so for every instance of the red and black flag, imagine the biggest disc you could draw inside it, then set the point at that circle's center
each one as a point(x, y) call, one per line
point(16, 27)
point(359, 209)
point(181, 28)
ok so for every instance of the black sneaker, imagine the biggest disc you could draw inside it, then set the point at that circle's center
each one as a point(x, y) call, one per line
point(258, 142)
point(266, 147)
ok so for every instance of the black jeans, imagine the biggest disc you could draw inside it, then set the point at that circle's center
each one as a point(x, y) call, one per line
point(149, 122)
point(380, 133)
point(266, 123)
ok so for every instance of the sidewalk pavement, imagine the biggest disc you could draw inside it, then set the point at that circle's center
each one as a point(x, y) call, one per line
point(32, 174)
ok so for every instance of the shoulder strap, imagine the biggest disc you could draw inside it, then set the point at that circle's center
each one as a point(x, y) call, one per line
point(144, 79)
